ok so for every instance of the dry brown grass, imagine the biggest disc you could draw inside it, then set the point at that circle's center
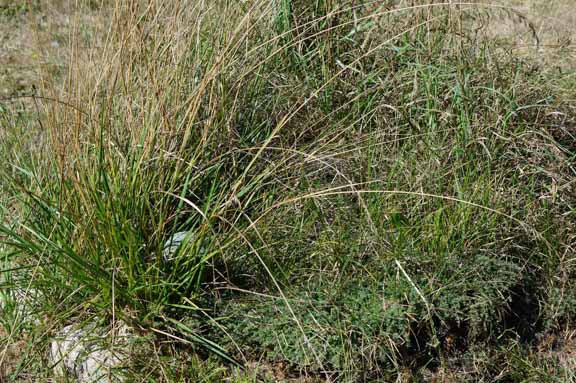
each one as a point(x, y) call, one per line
point(35, 49)
point(9, 355)
point(34, 42)
point(553, 21)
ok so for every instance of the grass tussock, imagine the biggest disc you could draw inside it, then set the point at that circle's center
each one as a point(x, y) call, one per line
point(372, 191)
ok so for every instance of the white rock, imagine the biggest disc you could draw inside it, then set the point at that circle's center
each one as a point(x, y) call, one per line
point(172, 245)
point(84, 354)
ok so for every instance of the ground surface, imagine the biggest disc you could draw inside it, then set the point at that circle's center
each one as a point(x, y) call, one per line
point(35, 54)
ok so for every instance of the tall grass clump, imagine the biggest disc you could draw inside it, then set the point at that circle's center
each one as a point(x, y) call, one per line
point(368, 188)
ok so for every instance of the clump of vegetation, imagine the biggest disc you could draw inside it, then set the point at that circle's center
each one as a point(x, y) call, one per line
point(374, 191)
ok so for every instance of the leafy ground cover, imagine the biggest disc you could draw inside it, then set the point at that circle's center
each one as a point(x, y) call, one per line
point(375, 191)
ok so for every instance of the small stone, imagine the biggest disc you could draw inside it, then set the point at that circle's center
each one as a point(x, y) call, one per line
point(172, 245)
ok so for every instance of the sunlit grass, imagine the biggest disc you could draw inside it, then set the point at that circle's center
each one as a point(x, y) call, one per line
point(370, 189)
